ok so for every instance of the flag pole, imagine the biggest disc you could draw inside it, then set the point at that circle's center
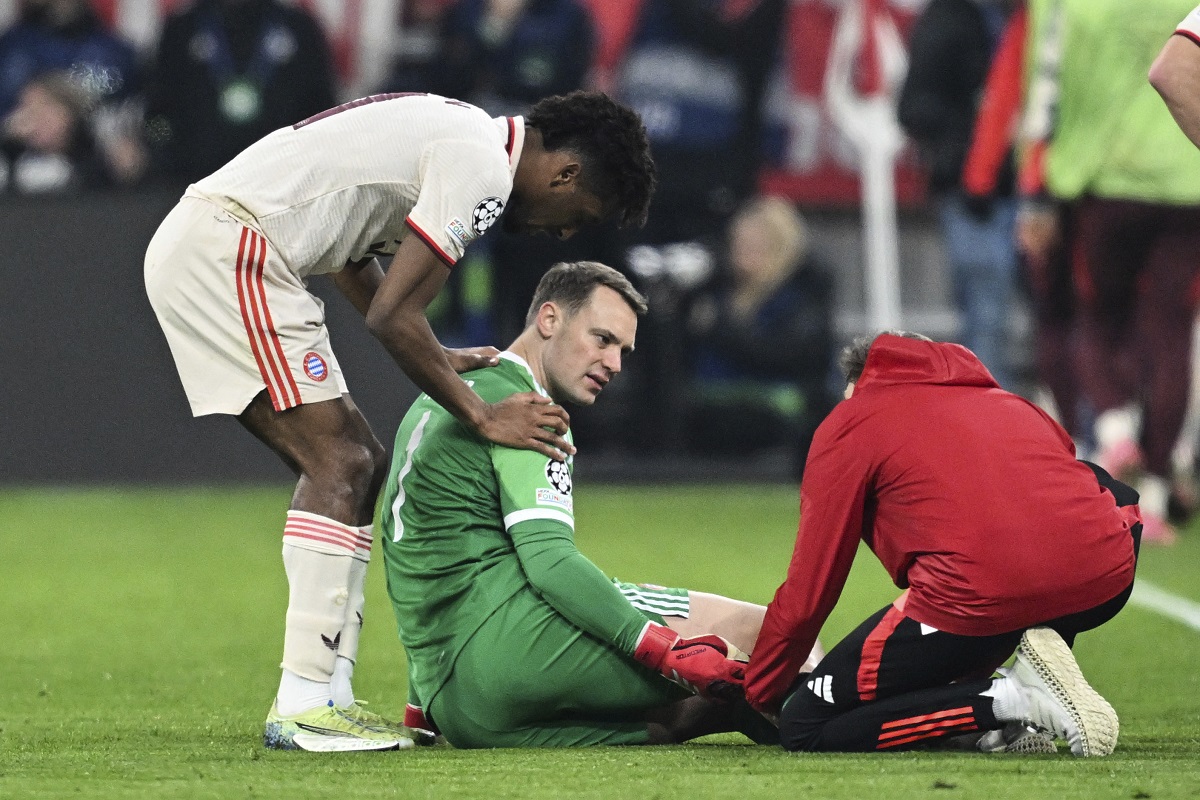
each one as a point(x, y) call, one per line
point(867, 61)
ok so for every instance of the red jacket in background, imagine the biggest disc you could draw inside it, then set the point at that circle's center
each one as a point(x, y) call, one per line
point(969, 495)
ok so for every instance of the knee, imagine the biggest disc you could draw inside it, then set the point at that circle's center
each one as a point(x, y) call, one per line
point(349, 468)
point(379, 464)
point(365, 467)
point(800, 724)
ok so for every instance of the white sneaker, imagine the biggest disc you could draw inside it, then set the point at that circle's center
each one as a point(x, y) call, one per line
point(1060, 700)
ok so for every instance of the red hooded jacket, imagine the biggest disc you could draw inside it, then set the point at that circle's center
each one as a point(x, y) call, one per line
point(969, 495)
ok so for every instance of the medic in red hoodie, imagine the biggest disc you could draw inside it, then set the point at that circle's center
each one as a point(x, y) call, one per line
point(974, 502)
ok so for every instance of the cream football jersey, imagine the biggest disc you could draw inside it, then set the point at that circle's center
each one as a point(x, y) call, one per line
point(353, 181)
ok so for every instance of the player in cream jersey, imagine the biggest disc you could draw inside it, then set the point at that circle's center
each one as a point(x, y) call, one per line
point(417, 176)
point(341, 187)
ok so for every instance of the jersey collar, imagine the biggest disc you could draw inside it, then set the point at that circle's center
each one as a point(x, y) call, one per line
point(513, 130)
point(509, 355)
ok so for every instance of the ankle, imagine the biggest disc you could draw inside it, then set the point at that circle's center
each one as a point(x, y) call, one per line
point(298, 694)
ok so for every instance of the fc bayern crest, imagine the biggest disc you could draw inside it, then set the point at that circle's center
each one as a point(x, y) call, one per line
point(487, 212)
point(315, 367)
point(559, 476)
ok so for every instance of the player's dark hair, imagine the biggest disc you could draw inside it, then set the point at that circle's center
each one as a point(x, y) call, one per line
point(571, 283)
point(611, 143)
point(853, 359)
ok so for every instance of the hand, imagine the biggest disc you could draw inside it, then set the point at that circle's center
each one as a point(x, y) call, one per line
point(707, 665)
point(468, 358)
point(1039, 232)
point(414, 717)
point(529, 421)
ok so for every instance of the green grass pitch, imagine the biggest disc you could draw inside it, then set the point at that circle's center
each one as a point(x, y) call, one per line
point(142, 631)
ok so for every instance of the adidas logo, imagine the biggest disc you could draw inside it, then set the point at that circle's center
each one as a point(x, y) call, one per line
point(333, 643)
point(822, 687)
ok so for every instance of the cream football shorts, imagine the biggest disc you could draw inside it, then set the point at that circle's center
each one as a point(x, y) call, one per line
point(236, 318)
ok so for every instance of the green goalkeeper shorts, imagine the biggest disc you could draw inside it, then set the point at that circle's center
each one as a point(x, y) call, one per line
point(529, 678)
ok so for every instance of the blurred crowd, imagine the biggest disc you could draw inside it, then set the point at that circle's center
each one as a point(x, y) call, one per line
point(1056, 176)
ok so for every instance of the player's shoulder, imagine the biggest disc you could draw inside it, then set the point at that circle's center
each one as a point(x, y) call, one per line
point(463, 120)
point(493, 384)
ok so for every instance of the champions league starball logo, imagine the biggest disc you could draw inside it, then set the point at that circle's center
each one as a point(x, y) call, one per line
point(487, 212)
point(559, 476)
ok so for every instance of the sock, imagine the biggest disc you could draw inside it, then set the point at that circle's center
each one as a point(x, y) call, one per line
point(317, 556)
point(1008, 704)
point(347, 652)
point(297, 694)
point(341, 684)
point(1153, 492)
point(1117, 424)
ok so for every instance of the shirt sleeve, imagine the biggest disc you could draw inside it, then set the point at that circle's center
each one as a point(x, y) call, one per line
point(464, 187)
point(536, 499)
point(1190, 27)
point(832, 498)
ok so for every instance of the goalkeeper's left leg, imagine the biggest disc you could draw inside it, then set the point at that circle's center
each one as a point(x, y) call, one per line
point(690, 614)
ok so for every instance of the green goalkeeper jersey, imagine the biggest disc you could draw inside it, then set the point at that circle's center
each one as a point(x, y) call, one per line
point(466, 524)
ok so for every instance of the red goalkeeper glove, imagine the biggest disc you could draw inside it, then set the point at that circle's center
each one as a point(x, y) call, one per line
point(414, 717)
point(705, 665)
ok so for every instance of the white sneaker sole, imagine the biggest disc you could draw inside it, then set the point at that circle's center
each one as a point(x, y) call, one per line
point(1031, 744)
point(1044, 658)
point(317, 743)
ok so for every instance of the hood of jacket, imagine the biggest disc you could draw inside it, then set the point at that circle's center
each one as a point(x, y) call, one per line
point(895, 360)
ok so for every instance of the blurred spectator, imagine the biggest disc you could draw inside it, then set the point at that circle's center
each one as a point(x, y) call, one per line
point(417, 59)
point(504, 55)
point(761, 339)
point(951, 47)
point(696, 71)
point(47, 147)
point(1105, 149)
point(227, 73)
point(64, 35)
point(61, 68)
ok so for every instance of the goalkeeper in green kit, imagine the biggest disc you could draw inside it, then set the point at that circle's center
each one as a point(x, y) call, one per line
point(514, 638)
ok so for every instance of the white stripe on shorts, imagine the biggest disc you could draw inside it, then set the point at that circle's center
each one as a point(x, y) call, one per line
point(260, 327)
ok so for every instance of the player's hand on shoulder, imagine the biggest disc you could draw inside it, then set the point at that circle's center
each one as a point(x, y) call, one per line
point(465, 359)
point(529, 421)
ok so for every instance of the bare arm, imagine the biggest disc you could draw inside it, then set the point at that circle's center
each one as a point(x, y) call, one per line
point(1176, 76)
point(396, 316)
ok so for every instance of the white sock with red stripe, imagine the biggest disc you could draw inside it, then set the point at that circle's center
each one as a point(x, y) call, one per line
point(347, 654)
point(317, 554)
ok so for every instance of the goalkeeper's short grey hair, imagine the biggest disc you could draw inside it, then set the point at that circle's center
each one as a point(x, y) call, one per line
point(570, 284)
point(854, 356)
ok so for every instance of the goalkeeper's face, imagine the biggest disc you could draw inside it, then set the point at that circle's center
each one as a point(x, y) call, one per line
point(583, 351)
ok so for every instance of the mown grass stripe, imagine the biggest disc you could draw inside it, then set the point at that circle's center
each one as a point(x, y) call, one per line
point(1148, 596)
